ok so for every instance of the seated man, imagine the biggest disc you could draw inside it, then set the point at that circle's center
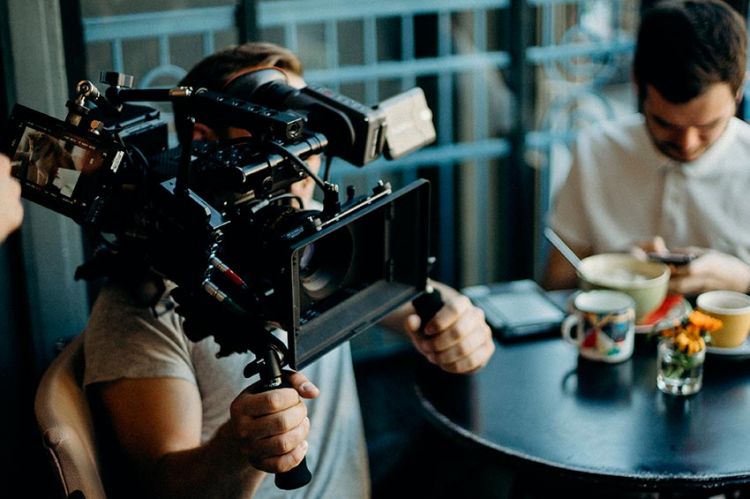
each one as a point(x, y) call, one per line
point(183, 418)
point(674, 176)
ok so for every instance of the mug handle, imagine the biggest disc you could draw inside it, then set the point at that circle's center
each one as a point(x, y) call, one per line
point(567, 325)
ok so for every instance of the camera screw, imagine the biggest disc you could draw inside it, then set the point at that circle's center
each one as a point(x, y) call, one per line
point(381, 187)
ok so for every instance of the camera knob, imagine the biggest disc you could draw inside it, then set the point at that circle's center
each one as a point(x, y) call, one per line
point(115, 79)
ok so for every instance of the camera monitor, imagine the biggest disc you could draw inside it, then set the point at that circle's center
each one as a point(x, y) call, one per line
point(59, 165)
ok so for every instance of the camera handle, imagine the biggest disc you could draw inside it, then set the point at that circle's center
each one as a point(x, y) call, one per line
point(268, 366)
point(427, 304)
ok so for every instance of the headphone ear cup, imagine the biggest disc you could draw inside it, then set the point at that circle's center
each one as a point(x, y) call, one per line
point(245, 83)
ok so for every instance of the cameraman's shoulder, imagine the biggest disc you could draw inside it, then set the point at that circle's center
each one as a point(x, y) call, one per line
point(146, 298)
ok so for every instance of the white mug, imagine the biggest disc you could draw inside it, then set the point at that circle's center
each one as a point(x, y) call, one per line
point(604, 325)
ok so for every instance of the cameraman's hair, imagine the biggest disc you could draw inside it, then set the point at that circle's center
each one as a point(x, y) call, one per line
point(685, 46)
point(213, 71)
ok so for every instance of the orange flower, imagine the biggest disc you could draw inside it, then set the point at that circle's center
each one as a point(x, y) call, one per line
point(704, 321)
point(688, 337)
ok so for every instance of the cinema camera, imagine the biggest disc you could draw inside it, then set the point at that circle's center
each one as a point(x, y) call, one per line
point(218, 219)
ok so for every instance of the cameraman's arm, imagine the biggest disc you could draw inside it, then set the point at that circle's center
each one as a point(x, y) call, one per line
point(457, 339)
point(11, 210)
point(158, 422)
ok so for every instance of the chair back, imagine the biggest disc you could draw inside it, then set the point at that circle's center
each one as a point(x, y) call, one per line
point(64, 418)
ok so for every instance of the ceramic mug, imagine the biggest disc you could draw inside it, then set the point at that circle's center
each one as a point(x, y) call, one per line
point(602, 325)
point(733, 310)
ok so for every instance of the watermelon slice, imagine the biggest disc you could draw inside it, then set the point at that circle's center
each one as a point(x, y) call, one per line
point(661, 313)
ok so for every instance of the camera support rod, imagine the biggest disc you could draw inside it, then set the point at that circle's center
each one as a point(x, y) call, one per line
point(217, 109)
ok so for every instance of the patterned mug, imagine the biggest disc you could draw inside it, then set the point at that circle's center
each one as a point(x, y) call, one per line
point(602, 325)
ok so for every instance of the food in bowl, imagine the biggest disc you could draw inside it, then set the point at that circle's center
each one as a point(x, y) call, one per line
point(647, 282)
point(622, 277)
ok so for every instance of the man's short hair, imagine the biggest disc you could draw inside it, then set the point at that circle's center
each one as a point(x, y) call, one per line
point(213, 71)
point(684, 46)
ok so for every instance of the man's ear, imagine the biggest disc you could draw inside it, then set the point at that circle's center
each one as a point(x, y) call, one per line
point(203, 132)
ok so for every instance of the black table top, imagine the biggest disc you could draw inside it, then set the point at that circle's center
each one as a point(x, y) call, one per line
point(538, 404)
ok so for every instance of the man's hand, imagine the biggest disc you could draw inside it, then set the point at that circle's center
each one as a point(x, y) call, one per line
point(711, 270)
point(641, 249)
point(457, 338)
point(11, 210)
point(270, 428)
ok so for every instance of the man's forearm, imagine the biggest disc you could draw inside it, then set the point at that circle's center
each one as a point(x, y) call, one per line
point(213, 470)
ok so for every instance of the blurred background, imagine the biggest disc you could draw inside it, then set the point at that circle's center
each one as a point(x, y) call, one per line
point(510, 82)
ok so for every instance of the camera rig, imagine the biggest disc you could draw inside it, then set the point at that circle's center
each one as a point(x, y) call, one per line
point(217, 218)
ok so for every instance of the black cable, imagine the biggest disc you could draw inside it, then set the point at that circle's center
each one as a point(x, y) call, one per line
point(297, 161)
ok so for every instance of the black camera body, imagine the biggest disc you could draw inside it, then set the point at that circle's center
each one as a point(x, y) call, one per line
point(217, 219)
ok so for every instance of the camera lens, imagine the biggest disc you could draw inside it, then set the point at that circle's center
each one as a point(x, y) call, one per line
point(323, 264)
point(306, 261)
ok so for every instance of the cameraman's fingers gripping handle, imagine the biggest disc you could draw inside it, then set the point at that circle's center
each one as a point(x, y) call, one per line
point(300, 475)
point(304, 386)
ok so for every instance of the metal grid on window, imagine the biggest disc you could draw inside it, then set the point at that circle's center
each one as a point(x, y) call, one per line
point(581, 59)
point(370, 51)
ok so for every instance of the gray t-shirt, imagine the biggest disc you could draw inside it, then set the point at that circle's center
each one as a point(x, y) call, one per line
point(125, 340)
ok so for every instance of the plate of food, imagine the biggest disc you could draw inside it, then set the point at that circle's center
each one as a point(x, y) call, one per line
point(670, 313)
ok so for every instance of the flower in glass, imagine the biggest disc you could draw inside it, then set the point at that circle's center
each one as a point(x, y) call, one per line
point(681, 353)
point(691, 336)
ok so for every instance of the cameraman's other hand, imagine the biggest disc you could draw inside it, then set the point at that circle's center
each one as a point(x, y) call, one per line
point(712, 270)
point(11, 210)
point(270, 428)
point(457, 338)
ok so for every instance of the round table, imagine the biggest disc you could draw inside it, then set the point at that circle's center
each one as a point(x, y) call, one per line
point(541, 406)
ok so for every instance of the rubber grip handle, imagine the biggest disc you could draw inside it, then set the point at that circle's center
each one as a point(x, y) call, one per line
point(300, 475)
point(427, 305)
point(295, 478)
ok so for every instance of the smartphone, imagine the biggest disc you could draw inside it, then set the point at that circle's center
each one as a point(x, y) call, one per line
point(672, 258)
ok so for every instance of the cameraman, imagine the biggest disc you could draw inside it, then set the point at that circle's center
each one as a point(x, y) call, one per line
point(11, 210)
point(182, 416)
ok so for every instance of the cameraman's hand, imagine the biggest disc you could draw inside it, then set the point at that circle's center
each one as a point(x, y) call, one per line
point(270, 428)
point(11, 210)
point(712, 270)
point(457, 338)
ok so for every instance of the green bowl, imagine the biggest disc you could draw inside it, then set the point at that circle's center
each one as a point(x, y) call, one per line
point(646, 282)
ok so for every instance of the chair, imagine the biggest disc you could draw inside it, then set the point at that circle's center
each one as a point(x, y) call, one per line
point(64, 419)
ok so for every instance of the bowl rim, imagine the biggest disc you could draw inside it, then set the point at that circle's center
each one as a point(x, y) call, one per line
point(664, 275)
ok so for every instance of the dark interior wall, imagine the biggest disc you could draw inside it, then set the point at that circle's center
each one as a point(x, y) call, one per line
point(39, 301)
